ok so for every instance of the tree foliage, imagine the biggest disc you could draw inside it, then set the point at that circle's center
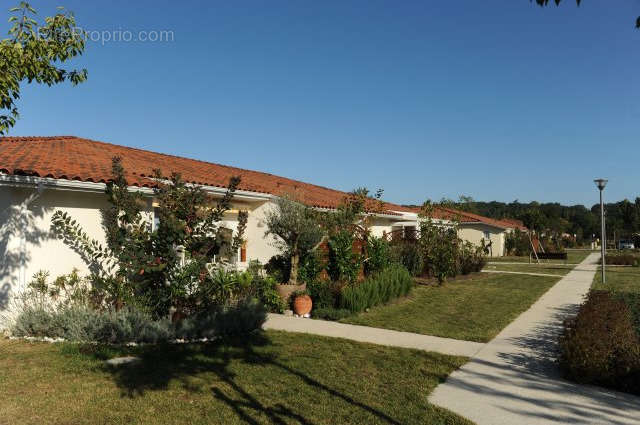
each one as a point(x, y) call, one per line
point(296, 230)
point(439, 244)
point(33, 52)
point(543, 3)
point(162, 267)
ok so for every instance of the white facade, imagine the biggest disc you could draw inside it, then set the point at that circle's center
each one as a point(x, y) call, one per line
point(477, 233)
point(27, 245)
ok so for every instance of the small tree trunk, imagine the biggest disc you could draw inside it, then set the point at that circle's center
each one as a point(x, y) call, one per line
point(295, 259)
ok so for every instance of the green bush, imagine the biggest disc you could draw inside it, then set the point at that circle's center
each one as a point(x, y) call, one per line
point(632, 300)
point(471, 259)
point(407, 254)
point(279, 267)
point(330, 313)
point(128, 325)
point(391, 283)
point(343, 264)
point(378, 255)
point(221, 321)
point(517, 243)
point(600, 345)
point(622, 259)
point(311, 265)
point(322, 293)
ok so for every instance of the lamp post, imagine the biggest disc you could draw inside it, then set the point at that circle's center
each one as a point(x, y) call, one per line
point(601, 183)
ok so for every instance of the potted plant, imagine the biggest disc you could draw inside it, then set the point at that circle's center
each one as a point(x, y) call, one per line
point(296, 231)
point(302, 303)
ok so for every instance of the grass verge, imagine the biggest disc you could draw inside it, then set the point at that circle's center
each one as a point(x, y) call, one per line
point(557, 269)
point(271, 377)
point(474, 310)
point(620, 279)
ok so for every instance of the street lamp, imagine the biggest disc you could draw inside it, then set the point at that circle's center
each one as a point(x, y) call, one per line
point(601, 183)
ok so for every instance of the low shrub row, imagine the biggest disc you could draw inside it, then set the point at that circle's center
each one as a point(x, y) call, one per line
point(83, 324)
point(330, 313)
point(601, 345)
point(393, 282)
point(622, 259)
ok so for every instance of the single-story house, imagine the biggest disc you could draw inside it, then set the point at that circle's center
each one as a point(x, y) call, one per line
point(39, 175)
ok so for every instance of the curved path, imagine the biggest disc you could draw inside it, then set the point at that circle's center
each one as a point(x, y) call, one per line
point(373, 335)
point(514, 379)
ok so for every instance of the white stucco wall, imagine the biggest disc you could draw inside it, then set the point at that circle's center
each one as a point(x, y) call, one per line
point(26, 244)
point(258, 247)
point(475, 232)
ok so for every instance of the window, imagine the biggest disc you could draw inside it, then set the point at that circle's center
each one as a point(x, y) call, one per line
point(487, 235)
point(156, 219)
point(410, 233)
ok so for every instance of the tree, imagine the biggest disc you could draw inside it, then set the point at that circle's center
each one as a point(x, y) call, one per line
point(296, 229)
point(543, 3)
point(144, 265)
point(439, 244)
point(32, 53)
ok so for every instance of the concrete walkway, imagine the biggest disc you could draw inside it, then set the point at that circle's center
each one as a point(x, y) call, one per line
point(514, 379)
point(373, 335)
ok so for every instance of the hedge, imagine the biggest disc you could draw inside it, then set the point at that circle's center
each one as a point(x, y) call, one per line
point(393, 282)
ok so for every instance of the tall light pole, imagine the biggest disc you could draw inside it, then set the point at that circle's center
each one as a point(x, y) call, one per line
point(601, 183)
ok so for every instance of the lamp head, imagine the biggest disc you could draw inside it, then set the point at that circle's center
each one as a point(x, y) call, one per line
point(601, 183)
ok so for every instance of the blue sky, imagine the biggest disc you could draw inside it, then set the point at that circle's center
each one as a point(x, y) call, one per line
point(499, 100)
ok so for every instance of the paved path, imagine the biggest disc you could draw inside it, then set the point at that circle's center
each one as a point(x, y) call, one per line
point(527, 273)
point(373, 335)
point(514, 380)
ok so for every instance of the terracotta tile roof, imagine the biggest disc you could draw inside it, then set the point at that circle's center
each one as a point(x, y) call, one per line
point(467, 217)
point(502, 223)
point(74, 158)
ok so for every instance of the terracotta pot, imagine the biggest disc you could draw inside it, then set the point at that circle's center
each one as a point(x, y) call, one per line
point(302, 305)
point(285, 290)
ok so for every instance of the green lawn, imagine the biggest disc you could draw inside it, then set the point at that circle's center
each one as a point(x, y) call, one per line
point(475, 310)
point(270, 378)
point(573, 257)
point(623, 279)
point(558, 269)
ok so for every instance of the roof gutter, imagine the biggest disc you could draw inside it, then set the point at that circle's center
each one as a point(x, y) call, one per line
point(93, 187)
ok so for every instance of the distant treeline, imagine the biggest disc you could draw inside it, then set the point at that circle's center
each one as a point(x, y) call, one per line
point(622, 218)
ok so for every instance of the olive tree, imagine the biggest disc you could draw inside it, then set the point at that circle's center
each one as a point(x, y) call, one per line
point(296, 230)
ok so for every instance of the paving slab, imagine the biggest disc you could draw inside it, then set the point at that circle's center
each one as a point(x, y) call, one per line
point(373, 335)
point(514, 379)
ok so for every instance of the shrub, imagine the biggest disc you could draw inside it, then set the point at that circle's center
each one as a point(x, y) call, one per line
point(622, 259)
point(76, 323)
point(83, 324)
point(33, 321)
point(138, 260)
point(265, 292)
point(517, 243)
point(311, 265)
point(322, 294)
point(279, 267)
point(601, 346)
point(378, 255)
point(344, 264)
point(632, 300)
point(393, 282)
point(407, 254)
point(470, 259)
point(330, 313)
point(247, 316)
